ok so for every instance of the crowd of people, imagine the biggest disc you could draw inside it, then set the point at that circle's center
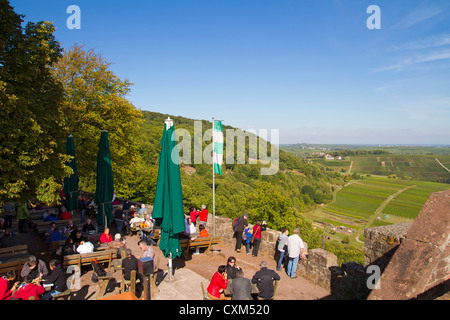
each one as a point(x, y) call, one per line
point(230, 283)
point(289, 248)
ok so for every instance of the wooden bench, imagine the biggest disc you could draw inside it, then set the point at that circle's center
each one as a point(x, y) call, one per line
point(86, 258)
point(205, 242)
point(14, 265)
point(23, 248)
point(60, 224)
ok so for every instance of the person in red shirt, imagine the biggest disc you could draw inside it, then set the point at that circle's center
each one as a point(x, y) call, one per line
point(256, 238)
point(193, 215)
point(203, 215)
point(30, 288)
point(64, 215)
point(218, 284)
point(106, 237)
point(7, 288)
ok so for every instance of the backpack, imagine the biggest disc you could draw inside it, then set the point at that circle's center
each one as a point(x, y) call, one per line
point(236, 221)
point(98, 269)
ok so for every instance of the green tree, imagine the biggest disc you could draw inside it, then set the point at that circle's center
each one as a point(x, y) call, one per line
point(32, 156)
point(267, 203)
point(95, 100)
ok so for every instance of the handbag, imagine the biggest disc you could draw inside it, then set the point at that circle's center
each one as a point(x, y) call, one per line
point(254, 235)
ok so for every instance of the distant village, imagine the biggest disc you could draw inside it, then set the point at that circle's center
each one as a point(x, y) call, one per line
point(325, 155)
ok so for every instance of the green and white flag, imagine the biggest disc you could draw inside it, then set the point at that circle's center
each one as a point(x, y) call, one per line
point(218, 146)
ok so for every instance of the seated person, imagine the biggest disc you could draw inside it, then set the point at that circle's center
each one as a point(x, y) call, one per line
point(232, 268)
point(34, 267)
point(88, 226)
point(147, 223)
point(49, 232)
point(85, 247)
point(264, 280)
point(106, 237)
point(218, 284)
point(78, 238)
point(56, 278)
point(7, 286)
point(31, 287)
point(55, 236)
point(69, 227)
point(130, 263)
point(118, 243)
point(8, 239)
point(68, 248)
point(135, 219)
point(50, 215)
point(64, 215)
point(203, 232)
point(241, 288)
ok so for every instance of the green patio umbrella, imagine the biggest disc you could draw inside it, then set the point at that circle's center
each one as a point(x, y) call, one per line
point(71, 183)
point(168, 206)
point(105, 185)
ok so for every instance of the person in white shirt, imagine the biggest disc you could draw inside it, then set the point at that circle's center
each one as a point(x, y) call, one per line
point(295, 248)
point(85, 247)
point(136, 219)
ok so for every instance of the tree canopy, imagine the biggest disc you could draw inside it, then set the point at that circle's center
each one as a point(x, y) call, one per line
point(32, 157)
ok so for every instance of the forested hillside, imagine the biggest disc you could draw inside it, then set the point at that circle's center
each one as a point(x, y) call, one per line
point(278, 199)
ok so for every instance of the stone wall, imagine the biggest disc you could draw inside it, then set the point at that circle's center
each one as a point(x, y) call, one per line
point(381, 243)
point(224, 229)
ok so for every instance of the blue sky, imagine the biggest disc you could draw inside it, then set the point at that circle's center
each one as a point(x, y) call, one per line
point(312, 69)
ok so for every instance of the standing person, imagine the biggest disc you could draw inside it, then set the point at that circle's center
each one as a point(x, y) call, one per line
point(295, 249)
point(82, 205)
point(241, 288)
point(256, 238)
point(8, 210)
point(193, 215)
point(282, 246)
point(119, 217)
point(238, 229)
point(22, 217)
point(218, 284)
point(56, 278)
point(264, 281)
point(143, 211)
point(247, 239)
point(203, 215)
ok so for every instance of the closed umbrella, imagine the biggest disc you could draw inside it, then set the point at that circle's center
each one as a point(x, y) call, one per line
point(105, 185)
point(168, 206)
point(71, 183)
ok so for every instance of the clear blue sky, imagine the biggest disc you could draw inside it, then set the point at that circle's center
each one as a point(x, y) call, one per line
point(312, 69)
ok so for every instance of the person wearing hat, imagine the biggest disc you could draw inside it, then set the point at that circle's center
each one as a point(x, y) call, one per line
point(239, 227)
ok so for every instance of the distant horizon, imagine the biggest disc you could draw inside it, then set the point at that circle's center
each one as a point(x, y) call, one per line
point(433, 145)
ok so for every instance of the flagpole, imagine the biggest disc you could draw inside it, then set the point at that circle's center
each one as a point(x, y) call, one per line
point(214, 185)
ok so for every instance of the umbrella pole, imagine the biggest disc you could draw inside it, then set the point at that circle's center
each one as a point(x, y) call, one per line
point(170, 267)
